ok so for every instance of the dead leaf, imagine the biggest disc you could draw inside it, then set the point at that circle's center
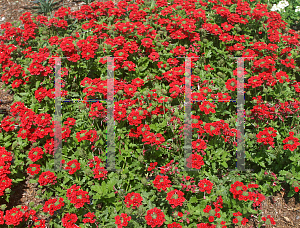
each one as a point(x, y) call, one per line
point(294, 209)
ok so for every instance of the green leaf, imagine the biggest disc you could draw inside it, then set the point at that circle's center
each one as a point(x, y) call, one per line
point(193, 199)
point(112, 194)
point(225, 164)
point(7, 144)
point(14, 145)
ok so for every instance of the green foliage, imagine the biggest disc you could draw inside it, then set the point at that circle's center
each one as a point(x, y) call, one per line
point(46, 6)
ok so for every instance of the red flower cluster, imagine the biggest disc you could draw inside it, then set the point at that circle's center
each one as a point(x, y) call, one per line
point(205, 186)
point(269, 133)
point(73, 193)
point(33, 169)
point(152, 166)
point(270, 218)
point(239, 218)
point(69, 220)
point(47, 178)
point(97, 110)
point(174, 225)
point(125, 219)
point(293, 142)
point(133, 199)
point(51, 206)
point(90, 135)
point(35, 154)
point(155, 217)
point(231, 84)
point(175, 198)
point(214, 213)
point(71, 168)
point(16, 216)
point(89, 218)
point(88, 47)
point(161, 182)
point(99, 171)
point(239, 190)
point(188, 186)
point(195, 161)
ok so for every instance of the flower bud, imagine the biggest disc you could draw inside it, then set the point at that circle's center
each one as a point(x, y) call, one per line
point(212, 212)
point(144, 181)
point(128, 211)
point(265, 90)
point(289, 176)
point(82, 106)
point(140, 158)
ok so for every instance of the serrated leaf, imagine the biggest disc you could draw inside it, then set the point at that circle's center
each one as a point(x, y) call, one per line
point(193, 200)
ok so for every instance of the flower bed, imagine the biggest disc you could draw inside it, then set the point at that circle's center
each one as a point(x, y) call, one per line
point(150, 186)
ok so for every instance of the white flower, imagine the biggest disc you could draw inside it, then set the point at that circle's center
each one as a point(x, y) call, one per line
point(297, 9)
point(279, 6)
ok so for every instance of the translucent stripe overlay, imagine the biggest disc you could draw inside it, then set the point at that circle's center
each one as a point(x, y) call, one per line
point(240, 115)
point(111, 147)
point(57, 119)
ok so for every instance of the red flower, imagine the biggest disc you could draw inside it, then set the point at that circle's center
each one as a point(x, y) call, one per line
point(155, 217)
point(231, 84)
point(138, 82)
point(72, 169)
point(174, 225)
point(195, 161)
point(266, 136)
point(147, 42)
point(175, 198)
point(13, 217)
point(205, 186)
point(125, 219)
point(35, 154)
point(161, 182)
point(130, 65)
point(69, 220)
point(293, 142)
point(33, 169)
point(235, 220)
point(133, 199)
point(296, 189)
point(154, 56)
point(51, 206)
point(47, 178)
point(89, 218)
point(74, 192)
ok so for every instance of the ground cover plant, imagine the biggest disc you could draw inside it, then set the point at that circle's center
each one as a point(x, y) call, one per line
point(289, 10)
point(150, 187)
